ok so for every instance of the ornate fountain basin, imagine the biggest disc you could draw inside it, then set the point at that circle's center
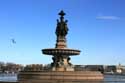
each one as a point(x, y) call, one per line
point(61, 51)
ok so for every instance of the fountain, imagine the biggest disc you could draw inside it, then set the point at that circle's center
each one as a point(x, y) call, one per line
point(60, 70)
point(61, 53)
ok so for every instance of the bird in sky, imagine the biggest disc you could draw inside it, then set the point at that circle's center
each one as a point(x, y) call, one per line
point(13, 41)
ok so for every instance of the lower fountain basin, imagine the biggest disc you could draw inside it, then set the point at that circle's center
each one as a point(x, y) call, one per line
point(61, 51)
point(59, 77)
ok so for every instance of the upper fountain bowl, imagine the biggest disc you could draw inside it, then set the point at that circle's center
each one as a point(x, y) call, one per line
point(61, 51)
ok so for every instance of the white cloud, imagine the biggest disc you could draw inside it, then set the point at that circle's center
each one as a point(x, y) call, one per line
point(102, 17)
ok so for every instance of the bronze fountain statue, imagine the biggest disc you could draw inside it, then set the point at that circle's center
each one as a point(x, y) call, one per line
point(61, 53)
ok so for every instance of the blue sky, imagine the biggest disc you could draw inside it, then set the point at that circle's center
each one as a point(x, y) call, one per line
point(96, 27)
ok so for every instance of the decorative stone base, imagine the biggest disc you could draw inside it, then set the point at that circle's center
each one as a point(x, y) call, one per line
point(59, 77)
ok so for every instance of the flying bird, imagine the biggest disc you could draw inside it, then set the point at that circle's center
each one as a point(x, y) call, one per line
point(13, 41)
